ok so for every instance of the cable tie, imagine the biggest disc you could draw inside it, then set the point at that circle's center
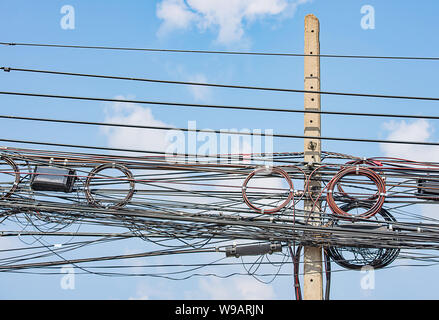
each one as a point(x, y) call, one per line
point(262, 211)
point(65, 162)
point(390, 227)
point(57, 245)
point(383, 194)
point(329, 191)
point(419, 230)
point(113, 165)
point(6, 69)
point(357, 169)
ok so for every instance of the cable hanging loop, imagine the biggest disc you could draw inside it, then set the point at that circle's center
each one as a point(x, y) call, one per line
point(95, 172)
point(271, 171)
point(380, 195)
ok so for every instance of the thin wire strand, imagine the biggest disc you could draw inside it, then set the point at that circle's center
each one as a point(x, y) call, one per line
point(279, 54)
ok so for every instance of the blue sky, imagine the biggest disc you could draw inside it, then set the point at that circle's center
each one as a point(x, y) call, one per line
point(401, 29)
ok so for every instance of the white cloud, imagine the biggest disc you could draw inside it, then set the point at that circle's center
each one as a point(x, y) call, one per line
point(133, 138)
point(242, 288)
point(227, 17)
point(198, 92)
point(420, 130)
point(150, 290)
point(175, 15)
point(10, 243)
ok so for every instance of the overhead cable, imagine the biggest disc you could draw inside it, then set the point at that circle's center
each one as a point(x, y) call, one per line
point(218, 85)
point(279, 54)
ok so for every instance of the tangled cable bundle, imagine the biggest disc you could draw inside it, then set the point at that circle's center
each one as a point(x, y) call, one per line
point(364, 256)
point(272, 170)
point(357, 163)
point(379, 196)
point(94, 174)
point(198, 203)
point(16, 173)
point(334, 186)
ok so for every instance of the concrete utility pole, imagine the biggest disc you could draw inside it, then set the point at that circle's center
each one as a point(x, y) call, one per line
point(313, 279)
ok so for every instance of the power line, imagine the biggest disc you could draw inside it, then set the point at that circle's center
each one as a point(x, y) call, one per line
point(279, 54)
point(217, 85)
point(210, 229)
point(136, 126)
point(230, 107)
point(105, 258)
point(238, 133)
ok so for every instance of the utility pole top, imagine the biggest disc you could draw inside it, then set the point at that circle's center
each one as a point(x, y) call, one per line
point(309, 17)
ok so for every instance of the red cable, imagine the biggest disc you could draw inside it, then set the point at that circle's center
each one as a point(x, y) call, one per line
point(373, 176)
point(272, 170)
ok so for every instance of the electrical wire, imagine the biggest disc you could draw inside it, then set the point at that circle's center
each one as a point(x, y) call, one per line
point(279, 54)
point(160, 211)
point(218, 85)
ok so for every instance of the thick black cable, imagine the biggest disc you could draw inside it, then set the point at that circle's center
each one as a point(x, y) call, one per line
point(296, 273)
point(327, 261)
point(341, 113)
point(217, 85)
point(281, 54)
point(123, 125)
point(218, 131)
point(104, 258)
point(167, 128)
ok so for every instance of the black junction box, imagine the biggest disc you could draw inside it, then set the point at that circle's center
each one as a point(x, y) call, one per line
point(53, 179)
point(428, 189)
